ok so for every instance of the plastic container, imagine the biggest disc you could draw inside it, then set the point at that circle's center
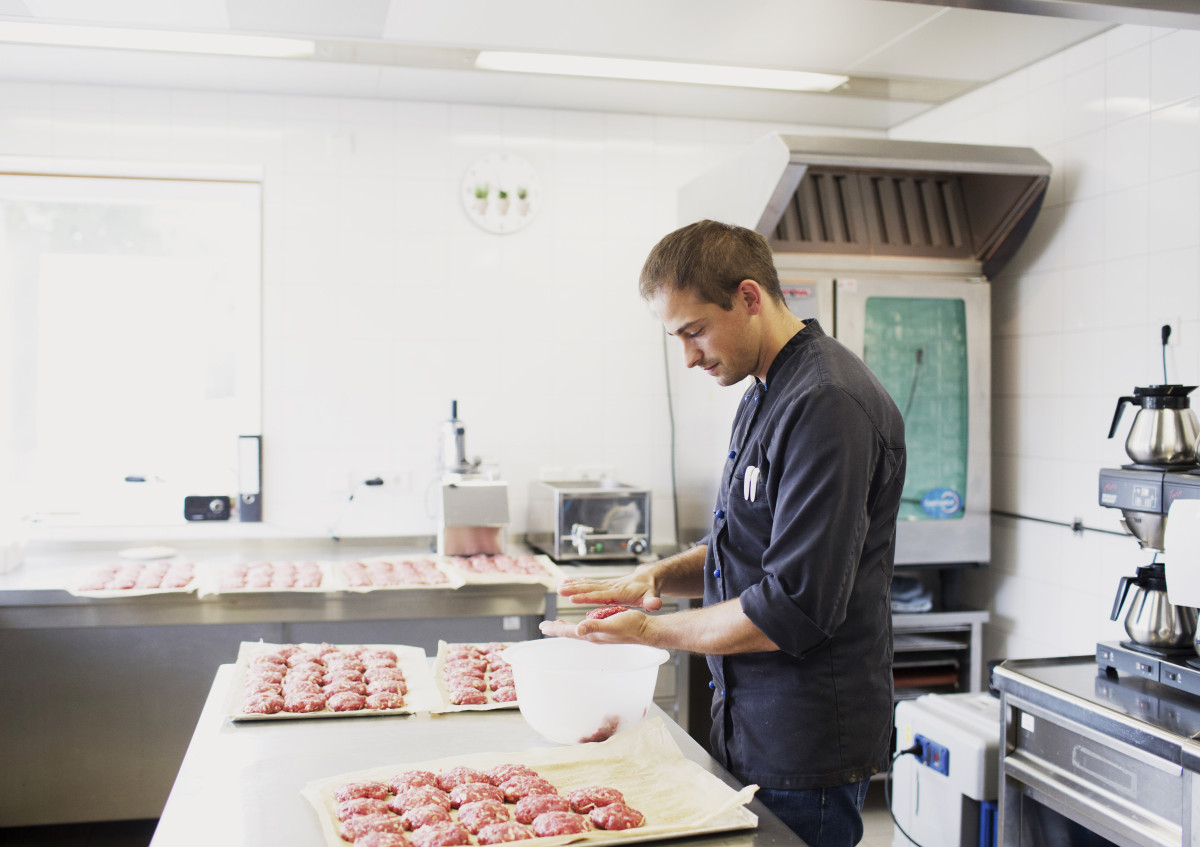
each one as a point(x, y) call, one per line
point(574, 691)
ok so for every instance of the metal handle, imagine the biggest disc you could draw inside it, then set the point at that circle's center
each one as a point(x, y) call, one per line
point(1112, 430)
point(1122, 590)
point(579, 537)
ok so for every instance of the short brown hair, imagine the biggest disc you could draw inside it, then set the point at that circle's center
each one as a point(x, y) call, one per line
point(710, 259)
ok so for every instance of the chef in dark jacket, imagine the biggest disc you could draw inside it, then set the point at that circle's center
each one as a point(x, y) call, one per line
point(796, 569)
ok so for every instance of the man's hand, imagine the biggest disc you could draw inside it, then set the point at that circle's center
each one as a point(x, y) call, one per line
point(627, 627)
point(634, 589)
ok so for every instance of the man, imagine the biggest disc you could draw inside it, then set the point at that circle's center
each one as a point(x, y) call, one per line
point(796, 570)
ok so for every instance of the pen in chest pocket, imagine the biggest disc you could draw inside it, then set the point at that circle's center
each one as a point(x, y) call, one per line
point(750, 483)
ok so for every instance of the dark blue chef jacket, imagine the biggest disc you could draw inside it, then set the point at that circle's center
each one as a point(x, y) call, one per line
point(809, 551)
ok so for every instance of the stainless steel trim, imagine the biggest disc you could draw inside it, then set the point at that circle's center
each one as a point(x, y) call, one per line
point(1108, 810)
point(1131, 733)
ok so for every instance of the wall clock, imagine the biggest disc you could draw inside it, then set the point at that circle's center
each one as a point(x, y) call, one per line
point(501, 193)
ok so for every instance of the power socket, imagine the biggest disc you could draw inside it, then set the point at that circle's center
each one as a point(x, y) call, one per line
point(934, 755)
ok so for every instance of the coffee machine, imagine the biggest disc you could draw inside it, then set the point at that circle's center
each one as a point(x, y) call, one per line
point(1162, 443)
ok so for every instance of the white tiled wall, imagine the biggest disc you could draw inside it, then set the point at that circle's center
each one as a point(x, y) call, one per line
point(1114, 255)
point(383, 301)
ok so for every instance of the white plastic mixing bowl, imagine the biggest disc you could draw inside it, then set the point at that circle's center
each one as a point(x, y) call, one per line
point(574, 691)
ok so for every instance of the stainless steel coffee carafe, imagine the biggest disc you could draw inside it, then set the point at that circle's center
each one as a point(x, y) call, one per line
point(1165, 429)
point(1152, 620)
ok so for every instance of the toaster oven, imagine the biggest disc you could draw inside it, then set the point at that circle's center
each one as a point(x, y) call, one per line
point(588, 520)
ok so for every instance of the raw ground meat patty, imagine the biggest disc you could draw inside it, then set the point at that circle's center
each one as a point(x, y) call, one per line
point(263, 703)
point(346, 701)
point(383, 839)
point(498, 833)
point(359, 825)
point(405, 780)
point(474, 816)
point(559, 823)
point(360, 806)
point(616, 816)
point(583, 800)
point(469, 792)
point(420, 796)
point(385, 700)
point(505, 772)
point(522, 786)
point(454, 777)
point(355, 790)
point(530, 807)
point(304, 702)
point(448, 834)
point(604, 612)
point(430, 813)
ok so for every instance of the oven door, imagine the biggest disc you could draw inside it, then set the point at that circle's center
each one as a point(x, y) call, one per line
point(928, 341)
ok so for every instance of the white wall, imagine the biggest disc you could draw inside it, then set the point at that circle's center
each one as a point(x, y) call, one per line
point(383, 301)
point(1114, 255)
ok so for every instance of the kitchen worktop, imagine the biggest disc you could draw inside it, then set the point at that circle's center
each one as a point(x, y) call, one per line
point(240, 784)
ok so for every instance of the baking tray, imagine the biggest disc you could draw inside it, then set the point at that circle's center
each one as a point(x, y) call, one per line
point(678, 797)
point(551, 576)
point(210, 581)
point(439, 682)
point(85, 576)
point(453, 579)
point(421, 696)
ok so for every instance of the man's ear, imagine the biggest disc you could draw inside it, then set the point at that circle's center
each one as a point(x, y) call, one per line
point(751, 295)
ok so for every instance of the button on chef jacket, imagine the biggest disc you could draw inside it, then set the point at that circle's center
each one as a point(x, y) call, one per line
point(810, 557)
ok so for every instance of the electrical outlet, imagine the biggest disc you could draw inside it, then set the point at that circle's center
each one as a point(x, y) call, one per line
point(934, 755)
point(593, 472)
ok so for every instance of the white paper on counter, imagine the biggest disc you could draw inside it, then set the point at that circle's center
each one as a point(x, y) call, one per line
point(439, 681)
point(678, 797)
point(1182, 556)
point(422, 695)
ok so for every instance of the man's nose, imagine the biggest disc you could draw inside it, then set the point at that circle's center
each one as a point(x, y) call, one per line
point(691, 354)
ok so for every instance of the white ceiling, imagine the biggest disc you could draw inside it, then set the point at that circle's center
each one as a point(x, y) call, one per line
point(903, 57)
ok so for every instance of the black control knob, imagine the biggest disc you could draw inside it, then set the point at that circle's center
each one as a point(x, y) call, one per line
point(637, 546)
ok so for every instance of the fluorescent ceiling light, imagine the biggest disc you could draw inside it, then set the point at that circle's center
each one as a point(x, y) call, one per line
point(549, 63)
point(145, 39)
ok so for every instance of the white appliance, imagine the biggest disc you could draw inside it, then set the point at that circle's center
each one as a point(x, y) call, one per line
point(945, 795)
point(889, 244)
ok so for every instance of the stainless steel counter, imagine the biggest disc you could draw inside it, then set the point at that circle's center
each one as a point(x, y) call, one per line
point(1093, 753)
point(124, 679)
point(240, 783)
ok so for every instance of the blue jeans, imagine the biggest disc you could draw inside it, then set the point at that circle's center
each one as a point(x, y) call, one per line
point(822, 817)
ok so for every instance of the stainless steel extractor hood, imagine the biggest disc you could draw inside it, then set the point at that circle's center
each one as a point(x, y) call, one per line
point(838, 196)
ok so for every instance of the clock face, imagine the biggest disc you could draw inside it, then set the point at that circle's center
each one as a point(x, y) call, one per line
point(501, 193)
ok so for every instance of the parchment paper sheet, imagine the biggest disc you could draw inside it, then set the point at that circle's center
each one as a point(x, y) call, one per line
point(552, 577)
point(453, 579)
point(210, 582)
point(421, 696)
point(678, 797)
point(439, 683)
point(84, 576)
